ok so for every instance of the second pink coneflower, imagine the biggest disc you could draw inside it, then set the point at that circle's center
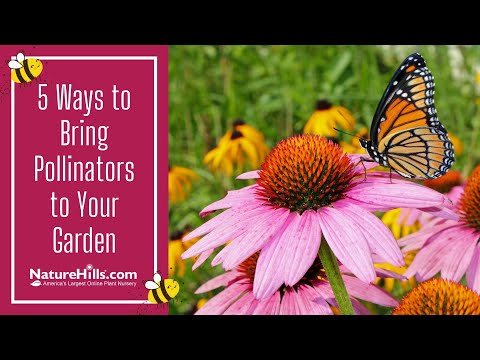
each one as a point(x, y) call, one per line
point(308, 190)
point(448, 246)
point(312, 295)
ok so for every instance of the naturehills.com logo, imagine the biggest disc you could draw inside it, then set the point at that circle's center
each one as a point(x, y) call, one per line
point(89, 276)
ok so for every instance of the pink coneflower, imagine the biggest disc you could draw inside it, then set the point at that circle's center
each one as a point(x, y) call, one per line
point(450, 246)
point(308, 188)
point(312, 295)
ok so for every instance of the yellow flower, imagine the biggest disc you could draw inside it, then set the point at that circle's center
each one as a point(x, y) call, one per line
point(176, 266)
point(176, 247)
point(457, 144)
point(326, 117)
point(399, 229)
point(389, 283)
point(179, 183)
point(243, 147)
point(398, 226)
point(201, 302)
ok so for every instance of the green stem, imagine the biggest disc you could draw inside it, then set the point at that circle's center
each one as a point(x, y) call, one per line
point(334, 277)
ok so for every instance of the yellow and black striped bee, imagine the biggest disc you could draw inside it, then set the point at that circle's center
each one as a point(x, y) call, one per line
point(25, 70)
point(161, 291)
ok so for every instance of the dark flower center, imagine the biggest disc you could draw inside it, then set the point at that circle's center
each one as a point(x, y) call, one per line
point(323, 105)
point(235, 135)
point(238, 122)
point(177, 235)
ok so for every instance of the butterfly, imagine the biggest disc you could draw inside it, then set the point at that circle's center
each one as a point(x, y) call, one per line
point(405, 134)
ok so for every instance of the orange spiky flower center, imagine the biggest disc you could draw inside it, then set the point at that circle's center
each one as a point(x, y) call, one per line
point(315, 272)
point(446, 182)
point(439, 297)
point(305, 172)
point(469, 204)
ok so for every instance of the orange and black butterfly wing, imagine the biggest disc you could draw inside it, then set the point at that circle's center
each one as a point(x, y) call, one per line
point(423, 152)
point(405, 128)
point(407, 101)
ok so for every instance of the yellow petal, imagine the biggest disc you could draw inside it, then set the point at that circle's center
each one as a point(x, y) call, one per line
point(348, 148)
point(251, 133)
point(457, 144)
point(225, 139)
point(320, 123)
point(176, 265)
point(251, 152)
point(234, 150)
point(200, 303)
point(184, 172)
point(343, 117)
point(389, 283)
point(208, 158)
point(222, 155)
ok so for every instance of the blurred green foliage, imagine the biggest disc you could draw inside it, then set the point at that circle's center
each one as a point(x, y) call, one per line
point(274, 88)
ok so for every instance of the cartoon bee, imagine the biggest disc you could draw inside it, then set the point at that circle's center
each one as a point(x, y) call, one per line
point(161, 291)
point(25, 70)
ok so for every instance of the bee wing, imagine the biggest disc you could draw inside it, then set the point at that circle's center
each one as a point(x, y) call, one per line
point(151, 285)
point(157, 277)
point(20, 57)
point(14, 64)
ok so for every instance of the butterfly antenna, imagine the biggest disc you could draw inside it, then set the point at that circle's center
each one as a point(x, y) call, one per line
point(346, 119)
point(344, 132)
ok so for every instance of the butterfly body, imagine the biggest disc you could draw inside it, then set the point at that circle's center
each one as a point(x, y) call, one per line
point(406, 134)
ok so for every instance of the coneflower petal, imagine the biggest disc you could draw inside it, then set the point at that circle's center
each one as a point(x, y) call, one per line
point(220, 302)
point(249, 175)
point(379, 237)
point(216, 282)
point(359, 308)
point(368, 292)
point(270, 266)
point(347, 243)
point(361, 164)
point(399, 193)
point(429, 261)
point(455, 194)
point(254, 239)
point(325, 291)
point(245, 305)
point(233, 198)
point(222, 232)
point(303, 250)
point(271, 306)
point(445, 212)
point(202, 258)
point(384, 273)
point(317, 304)
point(290, 254)
point(228, 216)
point(416, 240)
point(473, 271)
point(288, 305)
point(460, 255)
